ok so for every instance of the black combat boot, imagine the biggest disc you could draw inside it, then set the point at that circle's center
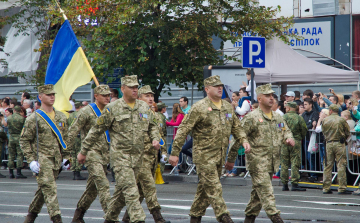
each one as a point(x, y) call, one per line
point(158, 218)
point(285, 187)
point(295, 187)
point(78, 216)
point(249, 219)
point(225, 218)
point(77, 176)
point(11, 172)
point(30, 218)
point(19, 174)
point(276, 218)
point(56, 219)
point(195, 219)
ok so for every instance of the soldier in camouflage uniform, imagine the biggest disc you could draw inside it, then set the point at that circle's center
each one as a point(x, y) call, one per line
point(336, 131)
point(97, 156)
point(211, 121)
point(15, 124)
point(145, 180)
point(76, 147)
point(127, 120)
point(266, 131)
point(51, 154)
point(162, 121)
point(291, 156)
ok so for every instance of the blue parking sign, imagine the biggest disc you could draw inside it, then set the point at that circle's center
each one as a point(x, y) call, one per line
point(253, 55)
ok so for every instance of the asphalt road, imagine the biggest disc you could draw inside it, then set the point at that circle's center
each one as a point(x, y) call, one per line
point(176, 199)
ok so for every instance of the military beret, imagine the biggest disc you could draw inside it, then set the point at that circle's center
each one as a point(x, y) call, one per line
point(17, 108)
point(334, 107)
point(264, 89)
point(46, 89)
point(291, 104)
point(213, 81)
point(130, 81)
point(161, 105)
point(102, 89)
point(145, 89)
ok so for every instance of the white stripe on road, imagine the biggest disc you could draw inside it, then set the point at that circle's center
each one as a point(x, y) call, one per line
point(325, 197)
point(330, 203)
point(15, 192)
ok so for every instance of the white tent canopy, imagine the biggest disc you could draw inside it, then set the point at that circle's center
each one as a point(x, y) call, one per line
point(284, 65)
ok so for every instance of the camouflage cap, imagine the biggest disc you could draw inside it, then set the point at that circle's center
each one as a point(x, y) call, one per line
point(46, 89)
point(102, 89)
point(130, 81)
point(78, 104)
point(212, 81)
point(291, 104)
point(264, 89)
point(334, 107)
point(161, 105)
point(17, 108)
point(145, 89)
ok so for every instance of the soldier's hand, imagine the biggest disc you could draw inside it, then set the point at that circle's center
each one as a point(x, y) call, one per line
point(81, 158)
point(173, 160)
point(290, 142)
point(246, 147)
point(229, 166)
point(156, 144)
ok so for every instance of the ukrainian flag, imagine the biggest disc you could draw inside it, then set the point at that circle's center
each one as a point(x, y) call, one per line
point(68, 67)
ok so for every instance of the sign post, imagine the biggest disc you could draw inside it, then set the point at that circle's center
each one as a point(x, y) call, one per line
point(253, 56)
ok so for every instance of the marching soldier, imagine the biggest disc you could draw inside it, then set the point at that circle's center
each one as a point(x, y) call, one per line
point(211, 121)
point(145, 180)
point(266, 131)
point(45, 149)
point(125, 119)
point(291, 155)
point(97, 156)
point(15, 123)
point(76, 147)
point(336, 131)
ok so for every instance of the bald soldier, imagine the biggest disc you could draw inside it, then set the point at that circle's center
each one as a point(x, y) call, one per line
point(266, 132)
point(125, 118)
point(97, 156)
point(46, 152)
point(145, 179)
point(211, 121)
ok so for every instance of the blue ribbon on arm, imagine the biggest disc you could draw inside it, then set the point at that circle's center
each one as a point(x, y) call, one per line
point(97, 112)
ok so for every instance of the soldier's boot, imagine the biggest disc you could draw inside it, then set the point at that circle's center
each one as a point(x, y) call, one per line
point(11, 172)
point(195, 219)
point(56, 219)
point(276, 218)
point(108, 221)
point(158, 218)
point(78, 176)
point(225, 218)
point(19, 174)
point(2, 176)
point(285, 187)
point(30, 218)
point(78, 216)
point(249, 219)
point(295, 187)
point(126, 218)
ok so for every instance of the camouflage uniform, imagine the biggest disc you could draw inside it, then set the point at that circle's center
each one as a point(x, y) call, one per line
point(97, 156)
point(50, 156)
point(76, 147)
point(291, 156)
point(211, 128)
point(15, 124)
point(162, 121)
point(335, 129)
point(265, 137)
point(126, 149)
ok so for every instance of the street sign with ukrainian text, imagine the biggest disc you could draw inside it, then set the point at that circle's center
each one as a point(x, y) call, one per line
point(253, 55)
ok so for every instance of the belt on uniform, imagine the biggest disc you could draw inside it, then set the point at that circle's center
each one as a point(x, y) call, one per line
point(333, 141)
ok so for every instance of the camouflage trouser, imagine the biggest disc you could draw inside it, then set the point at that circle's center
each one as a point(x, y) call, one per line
point(262, 194)
point(335, 151)
point(46, 192)
point(126, 194)
point(209, 191)
point(290, 157)
point(162, 168)
point(15, 151)
point(76, 166)
point(97, 183)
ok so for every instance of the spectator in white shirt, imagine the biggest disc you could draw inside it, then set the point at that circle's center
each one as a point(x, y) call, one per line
point(248, 87)
point(26, 105)
point(275, 107)
point(241, 109)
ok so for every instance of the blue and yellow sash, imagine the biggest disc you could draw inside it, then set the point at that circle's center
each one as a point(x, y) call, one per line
point(97, 112)
point(53, 127)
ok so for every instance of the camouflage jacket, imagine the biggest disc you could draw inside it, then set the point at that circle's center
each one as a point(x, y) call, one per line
point(297, 125)
point(162, 121)
point(99, 150)
point(50, 150)
point(335, 127)
point(15, 124)
point(265, 137)
point(127, 127)
point(211, 128)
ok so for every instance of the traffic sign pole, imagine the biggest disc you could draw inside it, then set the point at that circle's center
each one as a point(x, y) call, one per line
point(252, 86)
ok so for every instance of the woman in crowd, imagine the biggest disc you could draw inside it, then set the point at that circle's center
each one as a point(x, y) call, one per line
point(242, 106)
point(323, 114)
point(347, 116)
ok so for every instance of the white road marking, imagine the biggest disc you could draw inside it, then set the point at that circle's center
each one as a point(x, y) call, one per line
point(325, 197)
point(329, 203)
point(16, 192)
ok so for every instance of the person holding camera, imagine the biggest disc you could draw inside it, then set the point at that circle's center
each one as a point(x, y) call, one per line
point(336, 131)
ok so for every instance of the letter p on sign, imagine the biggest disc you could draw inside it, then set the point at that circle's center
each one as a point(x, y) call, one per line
point(253, 52)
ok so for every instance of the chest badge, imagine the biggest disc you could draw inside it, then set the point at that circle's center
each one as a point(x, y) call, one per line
point(261, 120)
point(210, 109)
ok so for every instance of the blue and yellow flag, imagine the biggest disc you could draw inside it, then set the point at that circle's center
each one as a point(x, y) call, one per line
point(68, 67)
